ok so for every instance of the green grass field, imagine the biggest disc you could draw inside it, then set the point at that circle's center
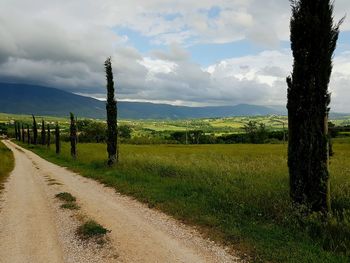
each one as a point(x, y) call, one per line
point(140, 128)
point(236, 194)
point(6, 117)
point(6, 163)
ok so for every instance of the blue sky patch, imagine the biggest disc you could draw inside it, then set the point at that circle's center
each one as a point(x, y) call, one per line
point(208, 54)
point(214, 12)
point(172, 16)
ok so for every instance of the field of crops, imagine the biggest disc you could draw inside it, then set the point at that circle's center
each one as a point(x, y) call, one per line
point(237, 194)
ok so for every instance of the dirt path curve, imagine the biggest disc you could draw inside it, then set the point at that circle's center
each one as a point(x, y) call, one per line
point(139, 234)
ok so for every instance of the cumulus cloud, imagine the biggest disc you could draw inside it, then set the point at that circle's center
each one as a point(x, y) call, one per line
point(245, 80)
point(64, 44)
point(339, 85)
point(258, 79)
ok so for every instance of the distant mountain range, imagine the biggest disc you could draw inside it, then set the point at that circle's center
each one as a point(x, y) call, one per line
point(38, 100)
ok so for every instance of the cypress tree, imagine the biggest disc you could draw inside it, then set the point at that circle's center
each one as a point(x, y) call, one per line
point(313, 41)
point(23, 135)
point(73, 136)
point(16, 132)
point(57, 138)
point(28, 134)
point(35, 131)
point(76, 122)
point(48, 141)
point(43, 133)
point(19, 131)
point(111, 107)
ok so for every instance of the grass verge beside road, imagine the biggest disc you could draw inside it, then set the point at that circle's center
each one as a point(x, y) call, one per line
point(6, 163)
point(236, 194)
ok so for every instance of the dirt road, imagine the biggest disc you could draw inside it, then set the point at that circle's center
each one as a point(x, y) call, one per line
point(31, 232)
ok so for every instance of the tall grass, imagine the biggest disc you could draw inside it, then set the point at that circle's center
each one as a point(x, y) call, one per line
point(6, 163)
point(237, 194)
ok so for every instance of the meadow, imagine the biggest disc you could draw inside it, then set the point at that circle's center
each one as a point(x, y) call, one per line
point(235, 194)
point(6, 163)
point(217, 126)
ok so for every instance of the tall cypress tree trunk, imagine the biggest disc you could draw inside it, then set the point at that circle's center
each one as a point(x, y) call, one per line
point(43, 133)
point(28, 134)
point(23, 134)
point(313, 41)
point(48, 141)
point(16, 132)
point(57, 138)
point(76, 126)
point(35, 131)
point(73, 136)
point(111, 107)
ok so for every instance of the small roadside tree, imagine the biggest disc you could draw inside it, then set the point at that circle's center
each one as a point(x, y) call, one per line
point(19, 131)
point(124, 131)
point(23, 133)
point(111, 107)
point(57, 138)
point(262, 133)
point(48, 141)
point(73, 136)
point(251, 129)
point(43, 133)
point(16, 132)
point(28, 134)
point(35, 131)
point(256, 132)
point(77, 130)
point(95, 131)
point(313, 41)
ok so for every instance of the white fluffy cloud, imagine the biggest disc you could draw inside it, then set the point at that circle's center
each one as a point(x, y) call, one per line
point(270, 69)
point(64, 43)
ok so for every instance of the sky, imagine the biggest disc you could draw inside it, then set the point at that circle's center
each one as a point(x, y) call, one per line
point(181, 52)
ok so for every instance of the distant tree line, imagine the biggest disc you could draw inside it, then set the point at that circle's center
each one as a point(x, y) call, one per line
point(26, 133)
point(93, 131)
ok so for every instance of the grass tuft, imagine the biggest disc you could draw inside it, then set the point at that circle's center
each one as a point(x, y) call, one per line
point(70, 206)
point(55, 183)
point(67, 197)
point(91, 229)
